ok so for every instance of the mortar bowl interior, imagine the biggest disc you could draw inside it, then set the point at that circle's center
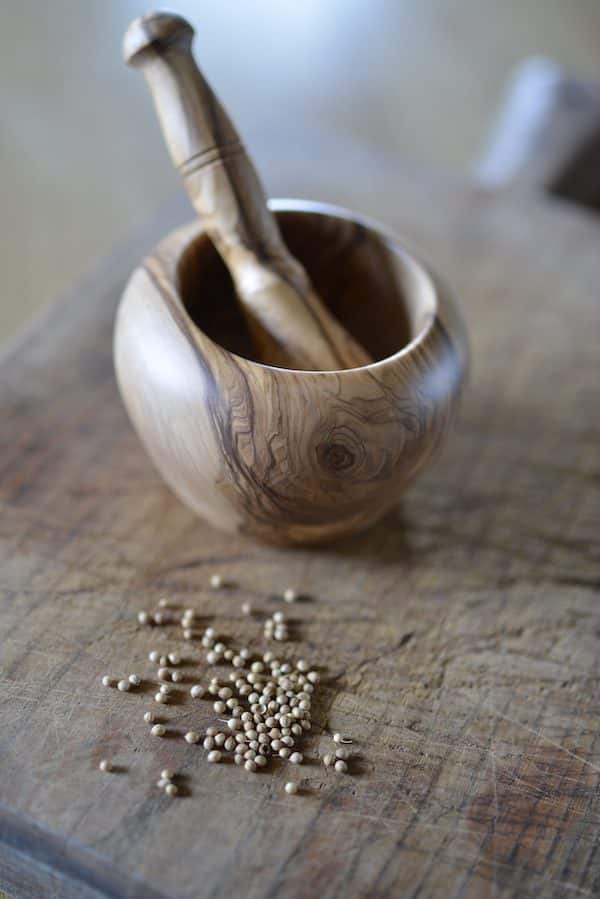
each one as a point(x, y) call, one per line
point(381, 294)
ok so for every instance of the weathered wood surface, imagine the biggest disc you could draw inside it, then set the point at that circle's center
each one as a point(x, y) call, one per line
point(462, 635)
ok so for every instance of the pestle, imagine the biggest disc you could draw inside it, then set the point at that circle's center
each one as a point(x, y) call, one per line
point(289, 324)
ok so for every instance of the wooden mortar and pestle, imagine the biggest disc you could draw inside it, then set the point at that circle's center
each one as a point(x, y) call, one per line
point(289, 412)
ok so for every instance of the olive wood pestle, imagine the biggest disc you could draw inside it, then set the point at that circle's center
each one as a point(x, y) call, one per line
point(287, 321)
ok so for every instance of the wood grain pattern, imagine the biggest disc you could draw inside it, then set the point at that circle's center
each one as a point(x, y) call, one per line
point(290, 456)
point(461, 634)
point(289, 325)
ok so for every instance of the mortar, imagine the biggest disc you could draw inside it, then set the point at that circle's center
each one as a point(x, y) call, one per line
point(290, 456)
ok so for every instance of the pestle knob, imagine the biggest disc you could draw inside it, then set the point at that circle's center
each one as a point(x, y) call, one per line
point(285, 316)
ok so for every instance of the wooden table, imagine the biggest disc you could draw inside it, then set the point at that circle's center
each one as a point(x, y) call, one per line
point(461, 635)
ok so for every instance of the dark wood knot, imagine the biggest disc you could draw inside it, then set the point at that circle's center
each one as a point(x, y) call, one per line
point(340, 452)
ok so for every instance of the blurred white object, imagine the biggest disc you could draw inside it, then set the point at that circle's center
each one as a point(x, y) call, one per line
point(547, 134)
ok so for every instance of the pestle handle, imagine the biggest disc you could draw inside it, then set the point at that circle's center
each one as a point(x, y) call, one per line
point(285, 314)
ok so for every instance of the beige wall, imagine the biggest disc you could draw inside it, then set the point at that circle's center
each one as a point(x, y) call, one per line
point(81, 159)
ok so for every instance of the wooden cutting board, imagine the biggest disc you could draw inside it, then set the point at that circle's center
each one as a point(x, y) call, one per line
point(461, 635)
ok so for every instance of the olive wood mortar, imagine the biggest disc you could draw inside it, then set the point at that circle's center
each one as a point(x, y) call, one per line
point(289, 456)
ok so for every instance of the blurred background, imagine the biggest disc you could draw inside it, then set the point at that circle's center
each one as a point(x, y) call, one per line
point(411, 82)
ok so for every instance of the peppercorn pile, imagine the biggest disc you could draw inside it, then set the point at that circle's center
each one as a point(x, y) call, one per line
point(263, 705)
